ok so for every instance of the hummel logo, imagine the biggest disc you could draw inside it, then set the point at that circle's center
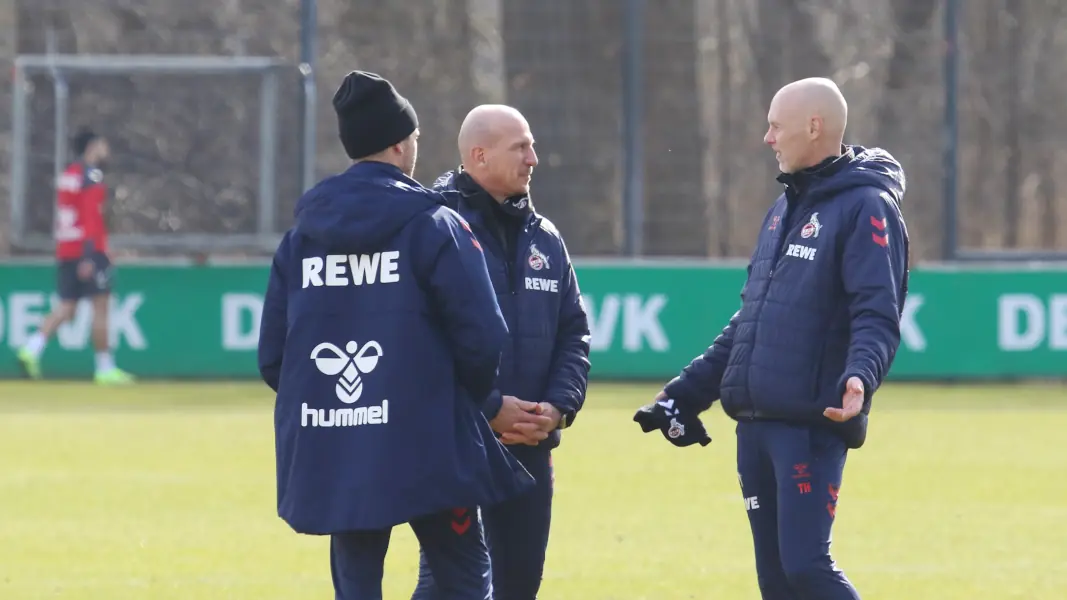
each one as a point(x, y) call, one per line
point(668, 407)
point(349, 364)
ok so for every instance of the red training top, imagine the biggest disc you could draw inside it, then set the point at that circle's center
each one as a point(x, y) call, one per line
point(79, 222)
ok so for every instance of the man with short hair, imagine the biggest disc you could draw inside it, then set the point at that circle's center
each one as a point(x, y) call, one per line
point(545, 364)
point(382, 337)
point(817, 331)
point(83, 268)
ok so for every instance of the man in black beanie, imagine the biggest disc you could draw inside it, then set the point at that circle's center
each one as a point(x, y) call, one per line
point(375, 122)
point(381, 336)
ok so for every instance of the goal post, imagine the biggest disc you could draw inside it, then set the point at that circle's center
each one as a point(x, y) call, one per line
point(61, 68)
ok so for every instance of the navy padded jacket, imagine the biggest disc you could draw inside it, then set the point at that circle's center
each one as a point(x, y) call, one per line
point(546, 353)
point(822, 303)
point(381, 335)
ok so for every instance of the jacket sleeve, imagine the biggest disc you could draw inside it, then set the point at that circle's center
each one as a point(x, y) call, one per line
point(698, 384)
point(462, 293)
point(90, 217)
point(569, 373)
point(88, 222)
point(446, 186)
point(874, 271)
point(273, 323)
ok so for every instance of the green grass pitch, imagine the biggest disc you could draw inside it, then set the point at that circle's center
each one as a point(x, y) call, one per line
point(166, 491)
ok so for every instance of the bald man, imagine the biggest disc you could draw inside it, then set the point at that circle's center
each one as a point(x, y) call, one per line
point(817, 331)
point(544, 368)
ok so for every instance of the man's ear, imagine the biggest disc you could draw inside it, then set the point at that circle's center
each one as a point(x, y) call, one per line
point(478, 155)
point(814, 127)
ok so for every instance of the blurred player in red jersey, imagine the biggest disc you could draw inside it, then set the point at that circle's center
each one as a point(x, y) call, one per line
point(83, 266)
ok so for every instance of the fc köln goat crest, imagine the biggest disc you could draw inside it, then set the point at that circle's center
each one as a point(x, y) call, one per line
point(812, 227)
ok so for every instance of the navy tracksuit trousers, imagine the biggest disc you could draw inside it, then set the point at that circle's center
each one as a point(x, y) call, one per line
point(517, 534)
point(790, 476)
point(452, 543)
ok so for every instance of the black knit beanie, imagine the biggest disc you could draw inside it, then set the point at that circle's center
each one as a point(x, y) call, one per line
point(371, 115)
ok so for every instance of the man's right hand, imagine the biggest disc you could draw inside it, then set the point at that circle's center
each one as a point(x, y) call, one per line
point(678, 425)
point(85, 269)
point(520, 422)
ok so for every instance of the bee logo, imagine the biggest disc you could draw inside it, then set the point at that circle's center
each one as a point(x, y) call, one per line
point(350, 363)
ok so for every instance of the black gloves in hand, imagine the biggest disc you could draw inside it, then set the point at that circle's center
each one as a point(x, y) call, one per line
point(680, 427)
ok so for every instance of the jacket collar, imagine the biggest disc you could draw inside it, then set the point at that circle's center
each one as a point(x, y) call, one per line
point(519, 206)
point(799, 182)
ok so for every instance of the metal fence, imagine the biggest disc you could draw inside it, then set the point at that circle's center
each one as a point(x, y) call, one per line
point(29, 217)
point(649, 115)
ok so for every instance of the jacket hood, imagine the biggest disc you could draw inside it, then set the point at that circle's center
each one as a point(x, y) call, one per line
point(446, 181)
point(363, 208)
point(868, 167)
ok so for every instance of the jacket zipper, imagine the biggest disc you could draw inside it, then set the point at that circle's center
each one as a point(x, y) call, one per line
point(507, 275)
point(522, 241)
point(763, 301)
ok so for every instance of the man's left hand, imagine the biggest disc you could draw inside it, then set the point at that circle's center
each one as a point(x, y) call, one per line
point(531, 434)
point(553, 414)
point(851, 402)
point(520, 422)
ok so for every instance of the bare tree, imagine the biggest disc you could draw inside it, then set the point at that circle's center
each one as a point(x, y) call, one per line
point(910, 21)
point(186, 159)
point(674, 204)
point(562, 59)
point(1013, 20)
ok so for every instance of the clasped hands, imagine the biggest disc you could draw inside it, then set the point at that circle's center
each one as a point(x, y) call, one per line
point(522, 422)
